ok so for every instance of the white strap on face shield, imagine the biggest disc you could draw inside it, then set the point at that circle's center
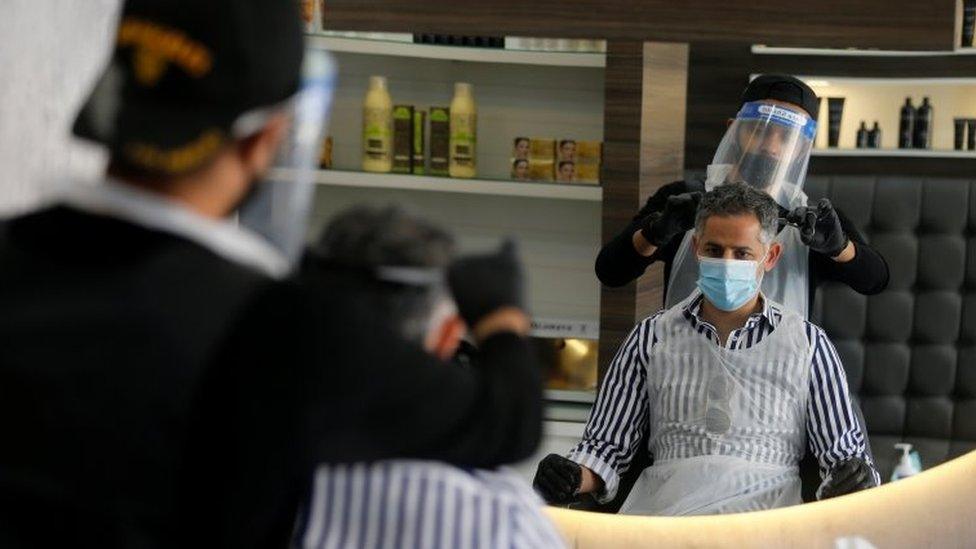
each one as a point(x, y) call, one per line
point(411, 276)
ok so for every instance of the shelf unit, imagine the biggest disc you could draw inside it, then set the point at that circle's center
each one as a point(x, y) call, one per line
point(561, 191)
point(519, 93)
point(457, 53)
point(881, 98)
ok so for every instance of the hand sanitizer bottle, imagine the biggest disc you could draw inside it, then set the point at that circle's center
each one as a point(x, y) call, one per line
point(908, 465)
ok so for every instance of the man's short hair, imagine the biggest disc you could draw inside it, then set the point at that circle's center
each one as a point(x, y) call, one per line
point(740, 199)
point(362, 239)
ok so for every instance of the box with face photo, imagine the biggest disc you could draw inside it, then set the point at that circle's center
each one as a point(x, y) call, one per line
point(542, 159)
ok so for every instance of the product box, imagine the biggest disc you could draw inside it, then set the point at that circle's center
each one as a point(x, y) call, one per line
point(519, 162)
point(440, 140)
point(419, 139)
point(542, 157)
point(589, 157)
point(325, 157)
point(402, 139)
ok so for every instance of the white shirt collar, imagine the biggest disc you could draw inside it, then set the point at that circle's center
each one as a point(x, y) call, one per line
point(223, 237)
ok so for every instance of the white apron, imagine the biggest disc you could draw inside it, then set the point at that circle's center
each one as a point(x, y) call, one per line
point(728, 428)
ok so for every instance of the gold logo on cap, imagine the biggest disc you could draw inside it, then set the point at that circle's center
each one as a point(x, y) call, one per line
point(157, 46)
point(178, 160)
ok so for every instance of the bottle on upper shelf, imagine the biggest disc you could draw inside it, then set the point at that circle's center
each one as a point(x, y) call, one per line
point(464, 132)
point(874, 136)
point(906, 125)
point(922, 138)
point(862, 136)
point(377, 127)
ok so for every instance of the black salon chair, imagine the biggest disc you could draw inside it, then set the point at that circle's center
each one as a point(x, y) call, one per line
point(910, 353)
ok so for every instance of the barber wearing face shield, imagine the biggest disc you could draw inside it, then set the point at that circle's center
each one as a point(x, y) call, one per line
point(162, 383)
point(767, 146)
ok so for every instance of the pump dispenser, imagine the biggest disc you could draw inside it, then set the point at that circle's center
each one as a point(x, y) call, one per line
point(908, 465)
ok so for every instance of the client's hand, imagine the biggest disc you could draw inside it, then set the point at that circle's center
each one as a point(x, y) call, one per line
point(851, 475)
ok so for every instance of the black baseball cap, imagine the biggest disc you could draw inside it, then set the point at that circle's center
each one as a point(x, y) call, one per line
point(182, 73)
point(783, 87)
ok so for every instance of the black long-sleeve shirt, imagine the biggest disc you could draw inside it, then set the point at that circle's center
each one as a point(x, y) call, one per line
point(618, 263)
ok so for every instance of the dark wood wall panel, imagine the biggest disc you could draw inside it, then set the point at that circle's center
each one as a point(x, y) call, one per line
point(910, 24)
point(948, 66)
point(620, 179)
point(643, 149)
point(717, 74)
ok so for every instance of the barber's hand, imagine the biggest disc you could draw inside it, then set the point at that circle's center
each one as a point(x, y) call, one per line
point(849, 476)
point(485, 283)
point(820, 228)
point(558, 479)
point(677, 217)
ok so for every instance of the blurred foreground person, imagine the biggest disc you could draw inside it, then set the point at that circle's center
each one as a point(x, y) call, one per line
point(397, 266)
point(160, 384)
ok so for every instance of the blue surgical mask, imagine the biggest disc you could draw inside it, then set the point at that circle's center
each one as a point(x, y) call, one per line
point(728, 283)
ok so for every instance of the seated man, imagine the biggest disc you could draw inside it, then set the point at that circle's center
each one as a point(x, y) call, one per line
point(394, 264)
point(733, 387)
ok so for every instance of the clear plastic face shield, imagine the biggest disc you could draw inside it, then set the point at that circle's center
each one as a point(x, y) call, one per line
point(278, 210)
point(768, 147)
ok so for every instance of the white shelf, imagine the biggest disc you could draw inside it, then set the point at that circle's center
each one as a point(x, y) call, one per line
point(827, 81)
point(766, 50)
point(339, 178)
point(895, 153)
point(457, 53)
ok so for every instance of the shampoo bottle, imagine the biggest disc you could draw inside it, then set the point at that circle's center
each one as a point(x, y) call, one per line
point(862, 136)
point(923, 126)
point(874, 136)
point(906, 126)
point(464, 132)
point(377, 127)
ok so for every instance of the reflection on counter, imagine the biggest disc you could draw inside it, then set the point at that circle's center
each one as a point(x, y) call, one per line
point(570, 364)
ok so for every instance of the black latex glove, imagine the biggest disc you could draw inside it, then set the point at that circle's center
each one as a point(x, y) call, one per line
point(849, 476)
point(484, 283)
point(677, 217)
point(820, 228)
point(558, 479)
